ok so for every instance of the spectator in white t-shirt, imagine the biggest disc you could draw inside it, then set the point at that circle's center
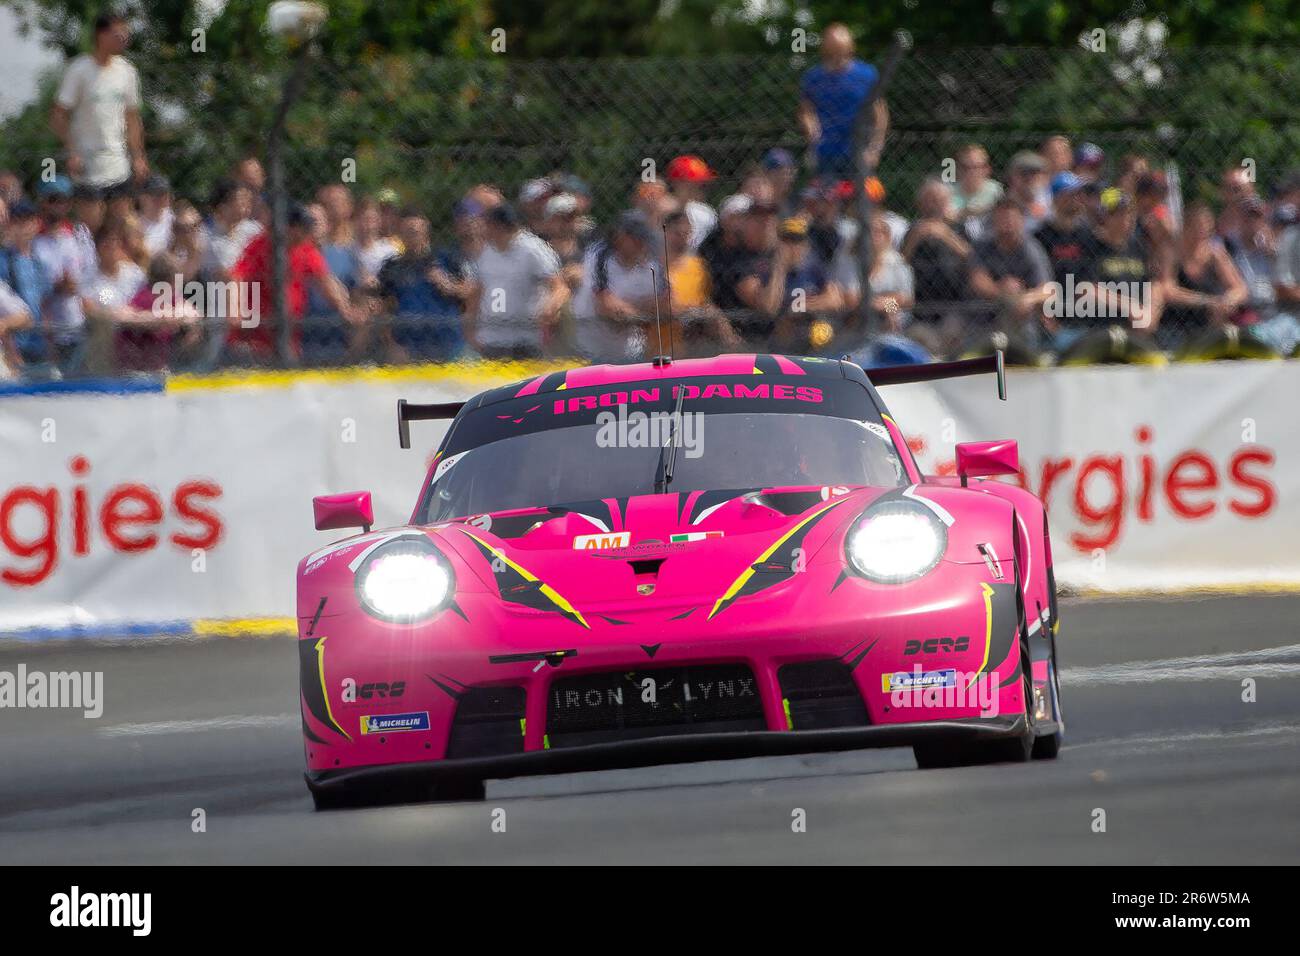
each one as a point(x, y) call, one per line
point(623, 287)
point(688, 176)
point(65, 261)
point(117, 280)
point(373, 248)
point(513, 309)
point(231, 227)
point(96, 114)
point(156, 215)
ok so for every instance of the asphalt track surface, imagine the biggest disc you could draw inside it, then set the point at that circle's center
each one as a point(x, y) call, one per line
point(1158, 737)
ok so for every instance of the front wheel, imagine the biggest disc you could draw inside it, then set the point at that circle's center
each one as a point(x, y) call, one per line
point(1018, 749)
point(1048, 746)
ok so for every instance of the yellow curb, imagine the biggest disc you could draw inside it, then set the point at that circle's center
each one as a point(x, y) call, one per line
point(245, 627)
point(478, 374)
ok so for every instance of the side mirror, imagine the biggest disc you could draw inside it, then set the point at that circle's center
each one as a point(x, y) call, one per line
point(979, 459)
point(349, 510)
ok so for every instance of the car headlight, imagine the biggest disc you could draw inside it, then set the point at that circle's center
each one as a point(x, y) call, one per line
point(405, 581)
point(895, 542)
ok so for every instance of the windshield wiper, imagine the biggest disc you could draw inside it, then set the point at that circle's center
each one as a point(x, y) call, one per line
point(668, 453)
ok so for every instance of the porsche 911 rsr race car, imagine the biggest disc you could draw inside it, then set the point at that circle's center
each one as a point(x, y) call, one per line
point(628, 565)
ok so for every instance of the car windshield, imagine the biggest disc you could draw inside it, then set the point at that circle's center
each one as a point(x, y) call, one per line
point(565, 451)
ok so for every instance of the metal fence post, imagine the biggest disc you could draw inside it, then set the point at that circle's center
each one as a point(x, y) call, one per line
point(280, 203)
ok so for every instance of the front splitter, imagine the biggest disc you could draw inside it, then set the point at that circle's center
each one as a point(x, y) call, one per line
point(652, 751)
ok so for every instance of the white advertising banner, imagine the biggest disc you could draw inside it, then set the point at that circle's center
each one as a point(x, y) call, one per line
point(134, 510)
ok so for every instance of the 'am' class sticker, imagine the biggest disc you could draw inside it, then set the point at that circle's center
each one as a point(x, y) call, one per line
point(602, 542)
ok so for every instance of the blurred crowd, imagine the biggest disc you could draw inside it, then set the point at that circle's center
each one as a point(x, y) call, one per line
point(1063, 254)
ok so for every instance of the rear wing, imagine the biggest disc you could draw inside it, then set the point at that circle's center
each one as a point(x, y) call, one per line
point(408, 412)
point(901, 374)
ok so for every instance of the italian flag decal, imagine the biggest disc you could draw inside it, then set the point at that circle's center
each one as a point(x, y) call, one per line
point(693, 536)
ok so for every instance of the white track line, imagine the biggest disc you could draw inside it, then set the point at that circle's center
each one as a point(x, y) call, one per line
point(232, 722)
point(1266, 662)
point(1146, 740)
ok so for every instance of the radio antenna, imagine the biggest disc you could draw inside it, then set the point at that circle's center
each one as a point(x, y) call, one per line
point(660, 359)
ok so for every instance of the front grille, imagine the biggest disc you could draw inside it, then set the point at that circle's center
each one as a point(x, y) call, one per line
point(821, 694)
point(665, 701)
point(488, 723)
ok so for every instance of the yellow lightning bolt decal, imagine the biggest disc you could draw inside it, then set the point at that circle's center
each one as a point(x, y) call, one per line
point(988, 630)
point(749, 571)
point(551, 594)
point(325, 694)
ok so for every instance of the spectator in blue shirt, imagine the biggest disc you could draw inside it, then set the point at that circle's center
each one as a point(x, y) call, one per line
point(418, 287)
point(23, 272)
point(831, 96)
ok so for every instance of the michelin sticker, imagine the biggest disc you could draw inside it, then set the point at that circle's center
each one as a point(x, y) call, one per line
point(918, 679)
point(394, 723)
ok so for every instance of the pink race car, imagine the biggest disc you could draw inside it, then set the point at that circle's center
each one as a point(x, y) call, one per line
point(626, 565)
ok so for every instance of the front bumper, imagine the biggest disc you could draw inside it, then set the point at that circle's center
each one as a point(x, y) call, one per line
point(952, 621)
point(652, 751)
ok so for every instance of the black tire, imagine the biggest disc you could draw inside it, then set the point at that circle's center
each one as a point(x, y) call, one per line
point(448, 791)
point(1048, 746)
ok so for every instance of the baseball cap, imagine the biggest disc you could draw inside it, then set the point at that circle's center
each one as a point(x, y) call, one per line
point(690, 168)
point(388, 197)
point(634, 224)
point(466, 208)
point(23, 209)
point(59, 186)
point(561, 204)
point(1065, 182)
point(534, 189)
point(299, 216)
point(1027, 161)
point(874, 189)
point(1286, 215)
point(814, 191)
point(1089, 154)
point(796, 227)
point(777, 158)
point(735, 205)
point(574, 184)
point(1113, 199)
point(503, 215)
point(156, 185)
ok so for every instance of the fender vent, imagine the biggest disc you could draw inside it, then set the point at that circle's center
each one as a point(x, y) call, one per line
point(488, 723)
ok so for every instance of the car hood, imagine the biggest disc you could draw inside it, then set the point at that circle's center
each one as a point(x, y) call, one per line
point(684, 549)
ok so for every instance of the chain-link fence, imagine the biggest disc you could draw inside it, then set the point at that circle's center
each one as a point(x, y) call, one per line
point(1163, 179)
